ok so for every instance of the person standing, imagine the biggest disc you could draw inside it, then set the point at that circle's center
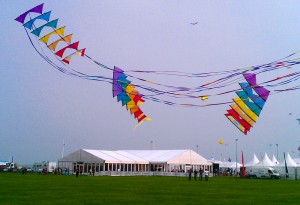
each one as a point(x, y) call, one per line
point(195, 175)
point(190, 174)
point(206, 174)
point(201, 173)
point(77, 172)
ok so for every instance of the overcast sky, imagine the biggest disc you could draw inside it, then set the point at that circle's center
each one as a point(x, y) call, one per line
point(40, 107)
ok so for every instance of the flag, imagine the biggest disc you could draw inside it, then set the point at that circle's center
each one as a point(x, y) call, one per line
point(286, 169)
point(243, 165)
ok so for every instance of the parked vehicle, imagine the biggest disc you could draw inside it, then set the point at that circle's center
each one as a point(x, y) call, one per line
point(44, 167)
point(263, 172)
point(11, 167)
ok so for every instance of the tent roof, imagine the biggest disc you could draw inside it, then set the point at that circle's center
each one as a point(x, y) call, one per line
point(170, 156)
point(289, 162)
point(252, 162)
point(265, 162)
point(297, 160)
point(117, 156)
point(232, 165)
point(274, 160)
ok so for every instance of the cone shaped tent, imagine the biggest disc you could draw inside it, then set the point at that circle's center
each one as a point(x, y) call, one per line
point(253, 162)
point(265, 162)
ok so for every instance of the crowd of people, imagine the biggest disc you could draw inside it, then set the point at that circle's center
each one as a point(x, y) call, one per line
point(206, 174)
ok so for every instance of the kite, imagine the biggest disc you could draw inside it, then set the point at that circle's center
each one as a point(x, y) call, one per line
point(125, 92)
point(31, 25)
point(44, 32)
point(246, 110)
point(299, 121)
point(221, 141)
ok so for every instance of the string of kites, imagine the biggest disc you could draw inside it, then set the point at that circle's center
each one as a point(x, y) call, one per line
point(244, 109)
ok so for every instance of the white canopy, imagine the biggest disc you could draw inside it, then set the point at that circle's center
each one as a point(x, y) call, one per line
point(231, 165)
point(265, 162)
point(274, 160)
point(289, 162)
point(253, 162)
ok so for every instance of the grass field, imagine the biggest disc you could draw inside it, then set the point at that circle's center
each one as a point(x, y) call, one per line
point(53, 189)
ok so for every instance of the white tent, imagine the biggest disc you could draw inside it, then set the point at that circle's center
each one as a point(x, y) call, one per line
point(292, 167)
point(231, 165)
point(274, 160)
point(265, 162)
point(289, 162)
point(235, 165)
point(134, 160)
point(253, 162)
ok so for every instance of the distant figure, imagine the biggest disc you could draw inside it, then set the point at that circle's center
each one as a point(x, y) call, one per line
point(24, 170)
point(206, 175)
point(90, 172)
point(93, 171)
point(200, 173)
point(77, 172)
point(216, 172)
point(190, 174)
point(195, 175)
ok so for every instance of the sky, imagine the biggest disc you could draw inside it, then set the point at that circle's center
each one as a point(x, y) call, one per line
point(40, 107)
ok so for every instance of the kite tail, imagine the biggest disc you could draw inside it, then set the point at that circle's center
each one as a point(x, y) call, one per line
point(141, 122)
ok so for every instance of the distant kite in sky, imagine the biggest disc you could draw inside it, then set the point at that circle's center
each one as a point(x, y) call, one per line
point(44, 32)
point(221, 141)
point(248, 105)
point(298, 120)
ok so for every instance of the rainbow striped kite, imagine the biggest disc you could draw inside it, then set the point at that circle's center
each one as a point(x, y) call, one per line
point(125, 92)
point(248, 105)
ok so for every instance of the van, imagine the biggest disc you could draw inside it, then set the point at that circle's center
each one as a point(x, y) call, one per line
point(262, 172)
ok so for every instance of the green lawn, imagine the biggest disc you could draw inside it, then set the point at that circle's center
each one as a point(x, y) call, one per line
point(53, 189)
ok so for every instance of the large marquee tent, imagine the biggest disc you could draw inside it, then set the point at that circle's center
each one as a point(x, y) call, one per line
point(134, 161)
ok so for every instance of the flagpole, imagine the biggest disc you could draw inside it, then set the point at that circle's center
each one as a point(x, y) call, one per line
point(236, 156)
point(63, 148)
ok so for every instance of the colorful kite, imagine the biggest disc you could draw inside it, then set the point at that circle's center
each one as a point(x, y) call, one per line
point(30, 24)
point(125, 92)
point(246, 110)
